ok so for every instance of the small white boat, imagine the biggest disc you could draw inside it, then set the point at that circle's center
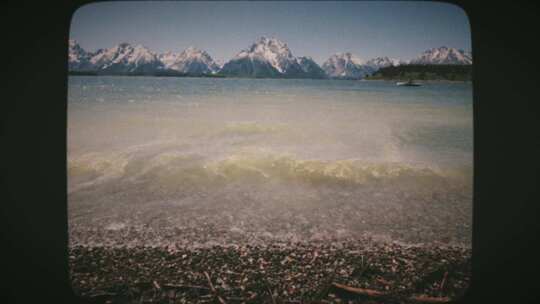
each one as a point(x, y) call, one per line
point(409, 83)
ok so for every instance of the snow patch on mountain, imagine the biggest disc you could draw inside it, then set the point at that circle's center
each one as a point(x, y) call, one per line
point(310, 67)
point(169, 59)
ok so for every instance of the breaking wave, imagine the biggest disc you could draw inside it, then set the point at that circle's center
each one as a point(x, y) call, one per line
point(170, 169)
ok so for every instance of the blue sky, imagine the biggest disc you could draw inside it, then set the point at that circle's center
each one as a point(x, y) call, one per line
point(399, 29)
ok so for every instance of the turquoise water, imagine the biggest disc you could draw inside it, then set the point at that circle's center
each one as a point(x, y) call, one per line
point(261, 161)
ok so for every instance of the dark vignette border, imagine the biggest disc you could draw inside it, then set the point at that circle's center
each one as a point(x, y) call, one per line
point(33, 153)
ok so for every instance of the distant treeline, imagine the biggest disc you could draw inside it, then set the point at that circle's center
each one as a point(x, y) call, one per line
point(425, 72)
point(164, 73)
point(401, 72)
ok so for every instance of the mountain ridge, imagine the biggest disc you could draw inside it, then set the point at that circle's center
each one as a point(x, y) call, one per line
point(190, 61)
point(443, 55)
point(267, 57)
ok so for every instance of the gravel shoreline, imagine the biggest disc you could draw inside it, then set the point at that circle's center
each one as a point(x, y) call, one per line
point(275, 273)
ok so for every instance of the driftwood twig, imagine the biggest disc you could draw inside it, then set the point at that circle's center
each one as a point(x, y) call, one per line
point(270, 292)
point(428, 299)
point(443, 281)
point(102, 294)
point(375, 293)
point(213, 289)
point(359, 291)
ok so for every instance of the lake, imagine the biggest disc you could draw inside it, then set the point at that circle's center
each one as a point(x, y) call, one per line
point(221, 161)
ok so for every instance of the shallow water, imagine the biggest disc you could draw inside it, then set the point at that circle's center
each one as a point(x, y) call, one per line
point(201, 161)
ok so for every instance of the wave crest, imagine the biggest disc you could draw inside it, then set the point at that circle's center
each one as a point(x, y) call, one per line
point(174, 170)
point(314, 171)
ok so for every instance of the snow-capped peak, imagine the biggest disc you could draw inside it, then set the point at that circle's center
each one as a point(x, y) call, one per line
point(193, 52)
point(142, 54)
point(345, 65)
point(125, 58)
point(119, 53)
point(272, 50)
point(271, 57)
point(78, 58)
point(190, 61)
point(443, 55)
point(346, 57)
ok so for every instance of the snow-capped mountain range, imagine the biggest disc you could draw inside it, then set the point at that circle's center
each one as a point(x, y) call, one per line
point(349, 66)
point(125, 58)
point(443, 55)
point(266, 57)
